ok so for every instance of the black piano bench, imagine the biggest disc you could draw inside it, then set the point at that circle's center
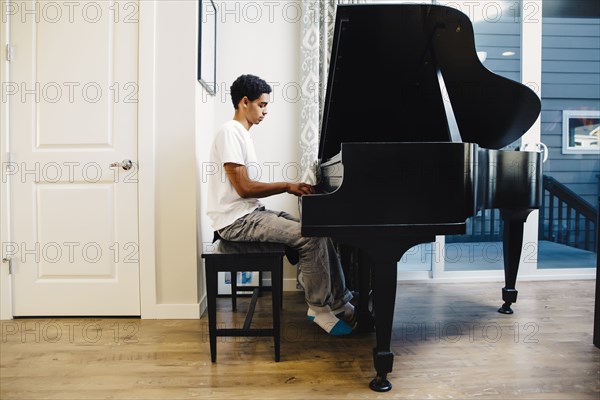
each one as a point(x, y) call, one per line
point(234, 257)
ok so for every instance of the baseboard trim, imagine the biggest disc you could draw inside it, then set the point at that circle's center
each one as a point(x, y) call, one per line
point(177, 311)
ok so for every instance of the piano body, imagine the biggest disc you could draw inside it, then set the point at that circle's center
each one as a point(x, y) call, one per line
point(410, 147)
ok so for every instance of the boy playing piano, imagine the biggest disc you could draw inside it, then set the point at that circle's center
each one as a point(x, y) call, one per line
point(237, 214)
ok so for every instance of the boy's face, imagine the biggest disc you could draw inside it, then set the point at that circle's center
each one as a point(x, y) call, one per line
point(256, 110)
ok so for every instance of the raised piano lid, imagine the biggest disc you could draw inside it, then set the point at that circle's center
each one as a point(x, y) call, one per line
point(383, 81)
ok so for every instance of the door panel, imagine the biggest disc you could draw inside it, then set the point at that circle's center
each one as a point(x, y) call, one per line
point(73, 113)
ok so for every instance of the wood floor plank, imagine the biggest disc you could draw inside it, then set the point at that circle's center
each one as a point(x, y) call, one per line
point(448, 341)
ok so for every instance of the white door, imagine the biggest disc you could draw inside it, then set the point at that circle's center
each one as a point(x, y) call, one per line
point(72, 95)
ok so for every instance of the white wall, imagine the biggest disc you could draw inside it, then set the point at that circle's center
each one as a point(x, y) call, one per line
point(260, 38)
point(263, 38)
point(175, 90)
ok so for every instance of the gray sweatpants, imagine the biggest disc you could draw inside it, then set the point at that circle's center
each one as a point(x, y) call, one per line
point(322, 275)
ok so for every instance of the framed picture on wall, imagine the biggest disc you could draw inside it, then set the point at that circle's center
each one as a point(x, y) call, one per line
point(581, 132)
point(207, 45)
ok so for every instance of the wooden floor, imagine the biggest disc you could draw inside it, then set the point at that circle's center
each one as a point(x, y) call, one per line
point(449, 343)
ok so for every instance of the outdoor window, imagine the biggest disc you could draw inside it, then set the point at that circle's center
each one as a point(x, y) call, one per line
point(581, 132)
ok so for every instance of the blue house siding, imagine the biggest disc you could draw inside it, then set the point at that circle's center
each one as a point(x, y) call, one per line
point(497, 37)
point(570, 81)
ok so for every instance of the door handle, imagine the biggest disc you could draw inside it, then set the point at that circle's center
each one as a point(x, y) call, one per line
point(125, 164)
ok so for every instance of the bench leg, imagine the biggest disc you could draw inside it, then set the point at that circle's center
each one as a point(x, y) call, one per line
point(276, 282)
point(234, 290)
point(211, 300)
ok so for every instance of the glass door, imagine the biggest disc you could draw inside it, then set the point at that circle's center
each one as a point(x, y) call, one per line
point(571, 130)
point(497, 29)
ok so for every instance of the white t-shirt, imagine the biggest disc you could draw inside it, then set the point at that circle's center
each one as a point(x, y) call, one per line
point(232, 144)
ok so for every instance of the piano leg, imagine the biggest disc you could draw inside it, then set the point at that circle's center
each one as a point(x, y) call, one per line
point(382, 252)
point(384, 298)
point(512, 243)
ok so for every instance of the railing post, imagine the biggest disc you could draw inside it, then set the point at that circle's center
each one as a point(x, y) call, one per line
point(560, 218)
point(492, 223)
point(551, 220)
point(568, 238)
point(483, 222)
point(542, 234)
point(587, 234)
point(577, 216)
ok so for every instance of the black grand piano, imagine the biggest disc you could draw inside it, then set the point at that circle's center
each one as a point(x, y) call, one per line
point(410, 147)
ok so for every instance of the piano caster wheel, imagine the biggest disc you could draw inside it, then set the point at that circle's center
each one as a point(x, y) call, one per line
point(380, 384)
point(505, 309)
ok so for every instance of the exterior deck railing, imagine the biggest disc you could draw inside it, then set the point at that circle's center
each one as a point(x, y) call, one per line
point(564, 218)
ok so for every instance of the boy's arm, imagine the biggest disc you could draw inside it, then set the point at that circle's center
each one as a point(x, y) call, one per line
point(247, 188)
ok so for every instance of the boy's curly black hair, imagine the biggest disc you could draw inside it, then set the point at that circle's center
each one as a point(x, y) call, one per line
point(250, 86)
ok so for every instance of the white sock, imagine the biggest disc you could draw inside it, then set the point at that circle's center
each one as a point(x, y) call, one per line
point(329, 322)
point(345, 312)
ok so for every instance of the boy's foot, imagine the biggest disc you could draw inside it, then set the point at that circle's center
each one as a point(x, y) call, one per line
point(345, 313)
point(329, 322)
